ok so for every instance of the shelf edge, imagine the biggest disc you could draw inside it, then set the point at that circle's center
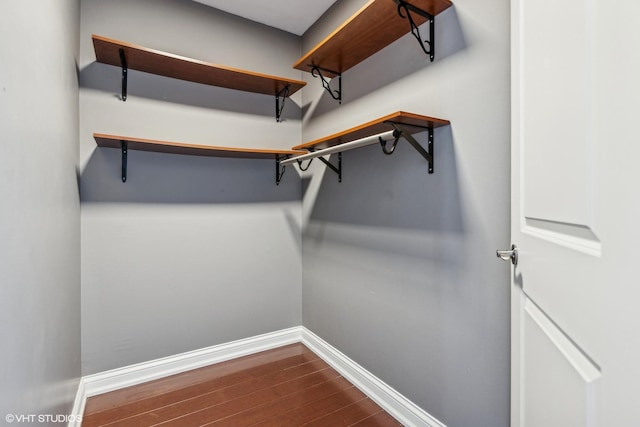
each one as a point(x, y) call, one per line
point(143, 144)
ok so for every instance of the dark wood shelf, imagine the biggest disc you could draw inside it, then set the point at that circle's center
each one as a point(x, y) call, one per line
point(169, 65)
point(375, 26)
point(141, 144)
point(413, 123)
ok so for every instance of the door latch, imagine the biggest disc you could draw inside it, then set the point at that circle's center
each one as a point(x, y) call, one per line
point(509, 255)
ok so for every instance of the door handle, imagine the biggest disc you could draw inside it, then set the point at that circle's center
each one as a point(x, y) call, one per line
point(509, 255)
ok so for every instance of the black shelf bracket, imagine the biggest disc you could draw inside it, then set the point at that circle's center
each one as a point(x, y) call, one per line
point(401, 132)
point(284, 94)
point(404, 10)
point(124, 147)
point(280, 169)
point(125, 72)
point(338, 169)
point(335, 94)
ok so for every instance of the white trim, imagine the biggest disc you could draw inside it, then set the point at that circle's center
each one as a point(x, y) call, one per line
point(75, 420)
point(128, 376)
point(401, 408)
point(160, 368)
point(390, 400)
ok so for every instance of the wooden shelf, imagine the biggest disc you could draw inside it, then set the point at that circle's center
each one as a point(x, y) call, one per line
point(413, 123)
point(375, 26)
point(169, 65)
point(141, 144)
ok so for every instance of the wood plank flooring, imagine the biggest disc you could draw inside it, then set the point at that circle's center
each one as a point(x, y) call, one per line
point(286, 386)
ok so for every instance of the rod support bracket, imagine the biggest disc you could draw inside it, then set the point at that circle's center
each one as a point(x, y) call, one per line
point(404, 10)
point(383, 143)
point(125, 73)
point(304, 168)
point(335, 93)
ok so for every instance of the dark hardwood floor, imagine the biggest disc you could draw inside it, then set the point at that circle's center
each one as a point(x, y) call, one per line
point(287, 386)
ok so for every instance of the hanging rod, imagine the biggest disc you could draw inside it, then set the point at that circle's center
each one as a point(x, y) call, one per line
point(369, 140)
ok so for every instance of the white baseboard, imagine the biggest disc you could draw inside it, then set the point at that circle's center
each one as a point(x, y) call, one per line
point(393, 402)
point(104, 382)
point(401, 408)
point(75, 420)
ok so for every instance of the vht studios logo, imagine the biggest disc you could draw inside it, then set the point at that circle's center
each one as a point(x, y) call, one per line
point(42, 418)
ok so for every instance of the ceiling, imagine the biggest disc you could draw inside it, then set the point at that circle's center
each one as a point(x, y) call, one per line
point(294, 16)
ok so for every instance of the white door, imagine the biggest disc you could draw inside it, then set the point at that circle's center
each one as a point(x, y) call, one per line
point(575, 213)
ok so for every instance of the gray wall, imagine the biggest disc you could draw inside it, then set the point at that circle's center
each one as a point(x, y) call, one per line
point(399, 271)
point(399, 267)
point(39, 218)
point(191, 251)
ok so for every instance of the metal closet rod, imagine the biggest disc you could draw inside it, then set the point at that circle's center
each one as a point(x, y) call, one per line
point(369, 140)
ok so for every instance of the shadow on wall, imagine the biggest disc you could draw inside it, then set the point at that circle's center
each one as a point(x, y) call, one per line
point(400, 59)
point(107, 78)
point(395, 191)
point(169, 178)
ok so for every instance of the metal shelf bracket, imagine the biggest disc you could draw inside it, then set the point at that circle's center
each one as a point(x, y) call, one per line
point(335, 94)
point(280, 169)
point(124, 148)
point(401, 132)
point(125, 72)
point(404, 10)
point(337, 170)
point(284, 93)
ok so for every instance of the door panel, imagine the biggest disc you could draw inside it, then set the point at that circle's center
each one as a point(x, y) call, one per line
point(559, 381)
point(575, 212)
point(554, 161)
point(556, 377)
point(557, 125)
